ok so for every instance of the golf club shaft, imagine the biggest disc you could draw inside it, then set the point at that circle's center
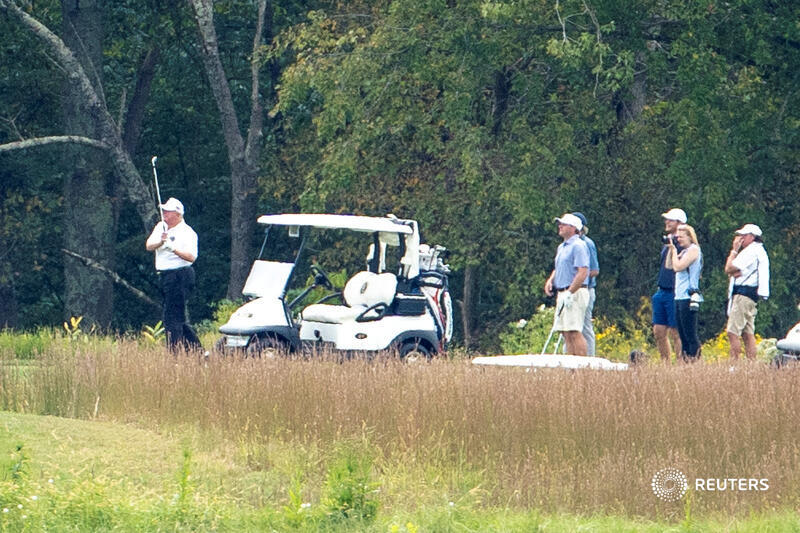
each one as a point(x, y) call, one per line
point(558, 343)
point(559, 308)
point(550, 336)
point(158, 191)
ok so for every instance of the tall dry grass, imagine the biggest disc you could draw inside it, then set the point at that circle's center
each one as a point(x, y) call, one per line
point(555, 440)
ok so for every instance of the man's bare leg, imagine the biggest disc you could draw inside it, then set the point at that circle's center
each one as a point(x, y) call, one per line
point(749, 345)
point(663, 335)
point(676, 340)
point(576, 344)
point(736, 345)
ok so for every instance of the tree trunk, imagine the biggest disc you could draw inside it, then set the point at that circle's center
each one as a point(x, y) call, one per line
point(502, 88)
point(91, 202)
point(88, 211)
point(243, 156)
point(639, 88)
point(244, 211)
point(8, 301)
point(467, 305)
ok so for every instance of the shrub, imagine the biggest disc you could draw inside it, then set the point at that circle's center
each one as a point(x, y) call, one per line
point(23, 345)
point(223, 309)
point(617, 342)
point(349, 491)
point(614, 341)
point(718, 348)
point(154, 334)
point(528, 336)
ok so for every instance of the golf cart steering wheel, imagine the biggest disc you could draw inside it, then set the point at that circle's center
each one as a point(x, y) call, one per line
point(321, 278)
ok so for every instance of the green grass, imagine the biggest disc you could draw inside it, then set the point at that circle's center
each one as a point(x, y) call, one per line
point(99, 476)
point(25, 345)
point(141, 440)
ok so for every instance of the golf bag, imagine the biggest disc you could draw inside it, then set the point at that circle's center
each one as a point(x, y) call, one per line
point(432, 282)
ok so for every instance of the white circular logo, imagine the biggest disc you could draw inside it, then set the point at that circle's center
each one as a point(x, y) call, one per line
point(669, 484)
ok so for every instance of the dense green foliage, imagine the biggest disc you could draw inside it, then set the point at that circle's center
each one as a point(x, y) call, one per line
point(482, 119)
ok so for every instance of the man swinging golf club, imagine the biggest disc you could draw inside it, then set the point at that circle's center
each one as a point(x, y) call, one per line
point(569, 280)
point(175, 247)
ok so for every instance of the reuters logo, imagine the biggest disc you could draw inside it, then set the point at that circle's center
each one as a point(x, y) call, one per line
point(669, 484)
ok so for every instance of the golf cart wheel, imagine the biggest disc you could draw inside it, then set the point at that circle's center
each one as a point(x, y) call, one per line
point(413, 351)
point(784, 359)
point(266, 347)
point(221, 348)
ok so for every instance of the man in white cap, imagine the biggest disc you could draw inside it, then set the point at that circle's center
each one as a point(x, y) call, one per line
point(748, 267)
point(569, 280)
point(665, 324)
point(175, 247)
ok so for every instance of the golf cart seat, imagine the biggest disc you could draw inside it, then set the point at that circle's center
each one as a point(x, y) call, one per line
point(365, 291)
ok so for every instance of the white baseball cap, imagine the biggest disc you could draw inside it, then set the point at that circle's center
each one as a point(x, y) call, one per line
point(570, 220)
point(675, 214)
point(749, 229)
point(173, 204)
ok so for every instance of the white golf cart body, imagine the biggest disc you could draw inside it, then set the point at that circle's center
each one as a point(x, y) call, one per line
point(788, 347)
point(409, 310)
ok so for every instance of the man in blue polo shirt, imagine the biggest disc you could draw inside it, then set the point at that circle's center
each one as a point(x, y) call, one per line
point(594, 270)
point(569, 280)
point(665, 325)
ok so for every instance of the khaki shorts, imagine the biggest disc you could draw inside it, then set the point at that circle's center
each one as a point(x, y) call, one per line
point(742, 317)
point(571, 318)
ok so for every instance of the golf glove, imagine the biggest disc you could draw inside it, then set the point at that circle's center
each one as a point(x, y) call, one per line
point(167, 247)
point(568, 299)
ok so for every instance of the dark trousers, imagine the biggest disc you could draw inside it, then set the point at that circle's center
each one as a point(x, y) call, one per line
point(176, 285)
point(687, 328)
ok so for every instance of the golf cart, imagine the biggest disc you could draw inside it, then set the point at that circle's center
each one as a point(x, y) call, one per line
point(408, 309)
point(788, 348)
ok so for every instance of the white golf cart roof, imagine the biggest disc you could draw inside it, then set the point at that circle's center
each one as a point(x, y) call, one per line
point(350, 222)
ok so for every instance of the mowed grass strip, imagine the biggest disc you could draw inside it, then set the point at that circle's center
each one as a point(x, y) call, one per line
point(552, 440)
point(66, 450)
point(110, 477)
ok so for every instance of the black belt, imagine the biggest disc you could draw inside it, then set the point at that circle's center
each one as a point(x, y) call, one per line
point(562, 288)
point(745, 290)
point(173, 269)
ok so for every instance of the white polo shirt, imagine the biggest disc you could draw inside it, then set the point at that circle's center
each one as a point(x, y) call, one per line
point(753, 263)
point(181, 237)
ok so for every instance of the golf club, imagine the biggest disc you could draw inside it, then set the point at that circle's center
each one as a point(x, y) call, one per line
point(158, 191)
point(558, 344)
point(553, 329)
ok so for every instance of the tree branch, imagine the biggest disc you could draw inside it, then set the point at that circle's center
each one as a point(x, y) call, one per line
point(55, 139)
point(134, 116)
point(116, 277)
point(12, 123)
point(204, 17)
point(107, 128)
point(254, 133)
